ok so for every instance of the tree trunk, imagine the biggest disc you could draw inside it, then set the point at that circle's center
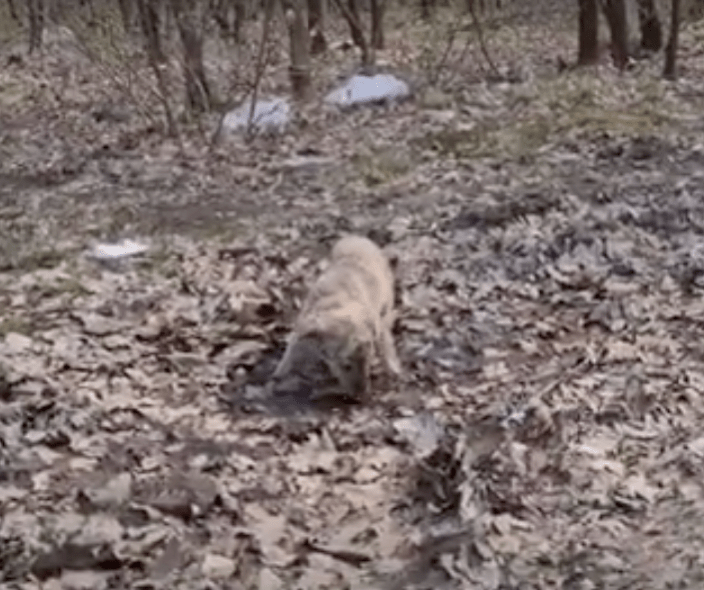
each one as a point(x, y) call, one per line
point(650, 27)
point(127, 14)
point(13, 10)
point(615, 11)
point(228, 15)
point(51, 10)
point(425, 9)
point(300, 69)
point(588, 32)
point(316, 26)
point(355, 22)
point(670, 69)
point(220, 12)
point(148, 11)
point(476, 6)
point(148, 15)
point(350, 10)
point(197, 88)
point(377, 14)
point(35, 13)
point(240, 16)
point(89, 7)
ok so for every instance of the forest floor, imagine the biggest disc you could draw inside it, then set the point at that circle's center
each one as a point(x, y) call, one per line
point(546, 431)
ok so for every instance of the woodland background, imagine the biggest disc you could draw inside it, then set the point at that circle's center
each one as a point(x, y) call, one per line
point(541, 191)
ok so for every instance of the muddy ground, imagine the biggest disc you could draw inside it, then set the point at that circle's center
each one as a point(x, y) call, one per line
point(546, 430)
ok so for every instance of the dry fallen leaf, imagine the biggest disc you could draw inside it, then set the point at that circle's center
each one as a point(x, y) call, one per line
point(546, 231)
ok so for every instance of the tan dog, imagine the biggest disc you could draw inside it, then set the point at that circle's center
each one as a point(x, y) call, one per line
point(346, 319)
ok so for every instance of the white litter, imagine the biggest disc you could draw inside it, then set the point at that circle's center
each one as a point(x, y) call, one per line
point(270, 115)
point(369, 90)
point(120, 250)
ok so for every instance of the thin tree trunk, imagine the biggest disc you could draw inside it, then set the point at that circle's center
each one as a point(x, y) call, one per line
point(220, 10)
point(377, 14)
point(670, 69)
point(35, 13)
point(148, 11)
point(13, 10)
point(650, 27)
point(482, 41)
point(268, 10)
point(425, 8)
point(356, 26)
point(240, 16)
point(615, 11)
point(127, 14)
point(350, 11)
point(197, 88)
point(316, 26)
point(300, 68)
point(588, 32)
point(155, 57)
point(477, 7)
point(88, 6)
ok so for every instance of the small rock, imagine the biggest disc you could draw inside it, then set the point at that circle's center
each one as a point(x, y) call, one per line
point(114, 493)
point(100, 529)
point(200, 462)
point(217, 566)
point(268, 580)
point(83, 580)
point(433, 98)
point(421, 431)
point(97, 325)
point(170, 560)
point(155, 327)
point(111, 113)
point(34, 437)
point(17, 343)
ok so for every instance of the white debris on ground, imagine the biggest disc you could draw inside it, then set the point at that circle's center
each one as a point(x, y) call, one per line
point(270, 115)
point(122, 249)
point(361, 90)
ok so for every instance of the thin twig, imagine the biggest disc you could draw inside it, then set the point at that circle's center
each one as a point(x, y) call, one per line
point(261, 65)
point(482, 43)
point(442, 62)
point(354, 23)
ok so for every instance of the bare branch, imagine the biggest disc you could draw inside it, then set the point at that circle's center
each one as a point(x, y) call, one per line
point(480, 36)
point(261, 63)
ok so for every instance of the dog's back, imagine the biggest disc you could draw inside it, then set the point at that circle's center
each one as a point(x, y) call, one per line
point(361, 269)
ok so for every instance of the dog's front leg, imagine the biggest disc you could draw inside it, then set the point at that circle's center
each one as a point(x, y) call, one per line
point(283, 367)
point(387, 348)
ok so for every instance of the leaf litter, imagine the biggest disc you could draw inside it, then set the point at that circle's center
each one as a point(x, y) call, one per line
point(545, 433)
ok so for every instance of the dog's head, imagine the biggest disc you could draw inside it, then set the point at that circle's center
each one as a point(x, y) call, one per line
point(324, 364)
point(347, 362)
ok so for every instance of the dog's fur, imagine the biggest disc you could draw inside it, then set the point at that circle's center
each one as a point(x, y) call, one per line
point(346, 319)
